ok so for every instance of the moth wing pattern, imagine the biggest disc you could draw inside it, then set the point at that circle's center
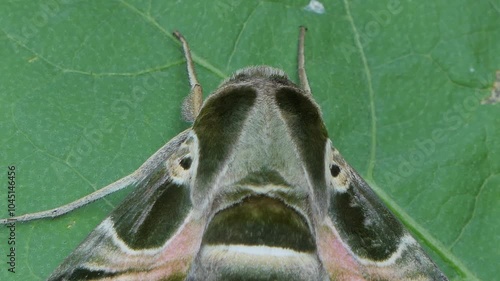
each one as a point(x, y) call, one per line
point(365, 234)
point(254, 190)
point(150, 235)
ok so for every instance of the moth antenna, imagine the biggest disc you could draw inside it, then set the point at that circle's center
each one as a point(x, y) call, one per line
point(192, 104)
point(304, 83)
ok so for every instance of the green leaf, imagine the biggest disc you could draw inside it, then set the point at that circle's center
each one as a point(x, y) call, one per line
point(90, 89)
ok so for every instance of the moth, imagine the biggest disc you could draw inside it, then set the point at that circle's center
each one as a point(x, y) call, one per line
point(254, 190)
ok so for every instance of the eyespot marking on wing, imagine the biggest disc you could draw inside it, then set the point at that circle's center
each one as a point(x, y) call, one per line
point(186, 162)
point(337, 173)
point(181, 163)
point(334, 170)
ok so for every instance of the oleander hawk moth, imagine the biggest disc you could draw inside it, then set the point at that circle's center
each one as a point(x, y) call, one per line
point(254, 190)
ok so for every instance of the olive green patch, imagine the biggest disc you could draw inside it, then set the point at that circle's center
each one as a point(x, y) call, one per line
point(166, 210)
point(260, 221)
point(218, 127)
point(365, 224)
point(307, 129)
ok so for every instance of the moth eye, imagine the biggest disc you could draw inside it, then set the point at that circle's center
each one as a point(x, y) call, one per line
point(186, 162)
point(334, 170)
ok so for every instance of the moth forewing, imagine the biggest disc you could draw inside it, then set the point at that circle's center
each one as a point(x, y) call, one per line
point(152, 233)
point(377, 240)
point(254, 190)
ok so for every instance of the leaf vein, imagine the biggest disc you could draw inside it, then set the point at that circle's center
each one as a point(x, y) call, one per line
point(371, 94)
point(243, 27)
point(201, 61)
